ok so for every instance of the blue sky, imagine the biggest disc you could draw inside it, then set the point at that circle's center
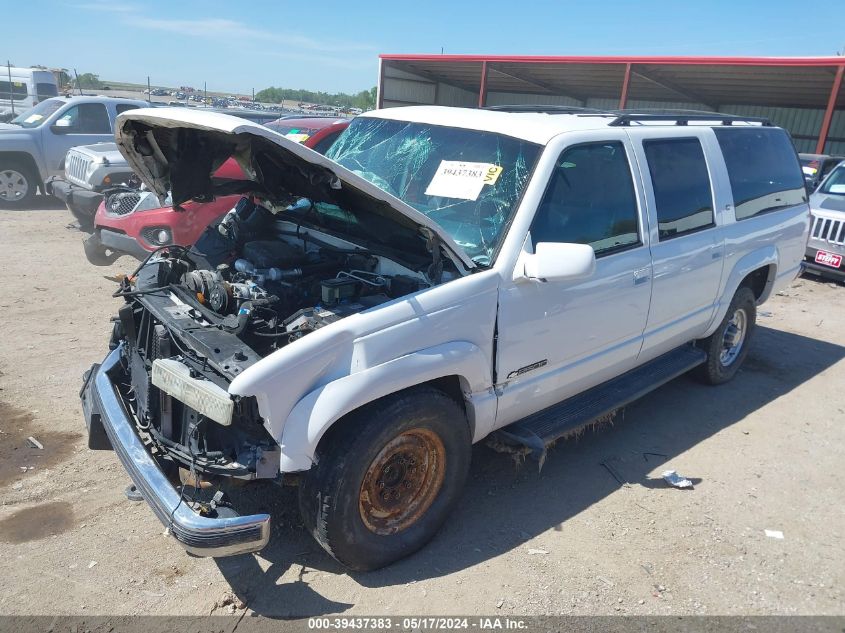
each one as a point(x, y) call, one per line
point(333, 46)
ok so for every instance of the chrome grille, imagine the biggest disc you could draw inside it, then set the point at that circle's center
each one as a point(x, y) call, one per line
point(123, 203)
point(76, 165)
point(829, 230)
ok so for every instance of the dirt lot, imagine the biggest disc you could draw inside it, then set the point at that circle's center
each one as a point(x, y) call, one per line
point(765, 453)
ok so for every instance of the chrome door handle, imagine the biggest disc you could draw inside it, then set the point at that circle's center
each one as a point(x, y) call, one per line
point(641, 276)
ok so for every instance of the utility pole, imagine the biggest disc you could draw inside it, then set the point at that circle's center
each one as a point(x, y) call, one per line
point(78, 85)
point(204, 93)
point(11, 94)
point(253, 97)
point(149, 91)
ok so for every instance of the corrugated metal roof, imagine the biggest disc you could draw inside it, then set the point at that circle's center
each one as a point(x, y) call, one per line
point(792, 91)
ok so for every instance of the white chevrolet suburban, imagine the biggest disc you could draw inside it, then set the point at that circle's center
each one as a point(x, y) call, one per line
point(359, 320)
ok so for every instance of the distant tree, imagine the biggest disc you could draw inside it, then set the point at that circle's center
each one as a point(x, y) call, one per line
point(365, 99)
point(88, 81)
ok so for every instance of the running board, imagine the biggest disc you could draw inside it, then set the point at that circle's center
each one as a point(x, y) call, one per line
point(537, 431)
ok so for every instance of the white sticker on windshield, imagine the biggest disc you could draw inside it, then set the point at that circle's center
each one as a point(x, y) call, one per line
point(457, 179)
point(837, 189)
point(299, 138)
point(32, 118)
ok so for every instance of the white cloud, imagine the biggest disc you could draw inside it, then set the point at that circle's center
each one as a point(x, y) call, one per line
point(230, 30)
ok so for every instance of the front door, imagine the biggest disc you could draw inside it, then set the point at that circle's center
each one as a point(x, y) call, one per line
point(81, 124)
point(556, 339)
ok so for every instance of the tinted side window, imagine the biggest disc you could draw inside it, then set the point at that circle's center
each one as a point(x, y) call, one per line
point(45, 90)
point(88, 118)
point(123, 107)
point(590, 199)
point(763, 169)
point(681, 186)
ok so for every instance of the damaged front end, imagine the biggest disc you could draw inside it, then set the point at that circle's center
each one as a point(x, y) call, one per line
point(311, 244)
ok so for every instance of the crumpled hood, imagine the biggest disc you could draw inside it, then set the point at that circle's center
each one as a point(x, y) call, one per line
point(178, 150)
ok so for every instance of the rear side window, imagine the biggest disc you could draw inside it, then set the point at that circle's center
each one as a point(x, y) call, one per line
point(123, 107)
point(681, 186)
point(590, 199)
point(46, 90)
point(763, 169)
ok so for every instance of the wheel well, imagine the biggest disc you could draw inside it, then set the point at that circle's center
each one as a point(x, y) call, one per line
point(450, 385)
point(25, 160)
point(758, 279)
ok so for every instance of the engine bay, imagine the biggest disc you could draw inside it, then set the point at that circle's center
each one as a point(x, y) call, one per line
point(269, 284)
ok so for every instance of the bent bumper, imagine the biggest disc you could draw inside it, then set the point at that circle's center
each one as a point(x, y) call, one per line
point(200, 535)
point(122, 242)
point(78, 199)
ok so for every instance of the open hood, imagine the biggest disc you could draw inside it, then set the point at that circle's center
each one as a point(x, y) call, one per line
point(177, 150)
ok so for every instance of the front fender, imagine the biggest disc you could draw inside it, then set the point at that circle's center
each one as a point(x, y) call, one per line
point(23, 147)
point(312, 416)
point(759, 258)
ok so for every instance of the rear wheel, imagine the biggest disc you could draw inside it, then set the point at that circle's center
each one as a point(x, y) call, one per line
point(18, 184)
point(388, 478)
point(727, 347)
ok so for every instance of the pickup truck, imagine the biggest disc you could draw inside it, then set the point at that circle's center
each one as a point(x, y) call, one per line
point(443, 275)
point(34, 144)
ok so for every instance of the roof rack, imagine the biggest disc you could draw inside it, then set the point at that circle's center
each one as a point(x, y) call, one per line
point(548, 109)
point(625, 120)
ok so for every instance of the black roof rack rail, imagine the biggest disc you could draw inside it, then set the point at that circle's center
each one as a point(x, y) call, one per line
point(547, 109)
point(625, 120)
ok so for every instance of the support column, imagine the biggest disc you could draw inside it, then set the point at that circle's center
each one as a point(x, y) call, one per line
point(380, 89)
point(623, 98)
point(831, 106)
point(482, 91)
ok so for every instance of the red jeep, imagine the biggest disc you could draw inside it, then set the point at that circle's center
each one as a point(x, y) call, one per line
point(134, 222)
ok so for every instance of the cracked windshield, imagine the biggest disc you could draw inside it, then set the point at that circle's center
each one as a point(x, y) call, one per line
point(467, 181)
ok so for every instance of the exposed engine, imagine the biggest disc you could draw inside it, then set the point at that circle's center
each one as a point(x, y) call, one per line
point(270, 292)
point(249, 286)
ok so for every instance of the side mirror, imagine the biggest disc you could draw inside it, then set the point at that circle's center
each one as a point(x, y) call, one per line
point(554, 261)
point(62, 126)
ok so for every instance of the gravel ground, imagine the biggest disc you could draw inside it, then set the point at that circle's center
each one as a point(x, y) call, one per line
point(596, 532)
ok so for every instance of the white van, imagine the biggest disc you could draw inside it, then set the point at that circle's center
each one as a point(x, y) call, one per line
point(22, 88)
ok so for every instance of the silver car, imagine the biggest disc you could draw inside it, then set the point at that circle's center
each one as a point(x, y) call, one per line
point(826, 246)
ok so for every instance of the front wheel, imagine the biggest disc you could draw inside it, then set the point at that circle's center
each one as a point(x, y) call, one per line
point(18, 185)
point(387, 479)
point(727, 347)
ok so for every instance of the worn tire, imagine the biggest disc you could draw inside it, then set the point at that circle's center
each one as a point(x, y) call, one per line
point(333, 497)
point(714, 371)
point(14, 173)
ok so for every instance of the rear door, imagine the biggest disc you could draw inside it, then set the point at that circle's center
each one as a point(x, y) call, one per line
point(684, 185)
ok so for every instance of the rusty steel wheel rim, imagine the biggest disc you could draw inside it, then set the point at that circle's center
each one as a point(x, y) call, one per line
point(402, 481)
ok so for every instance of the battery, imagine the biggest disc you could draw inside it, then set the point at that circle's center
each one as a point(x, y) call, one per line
point(337, 290)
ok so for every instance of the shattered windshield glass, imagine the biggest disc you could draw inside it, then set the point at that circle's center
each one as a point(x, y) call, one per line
point(467, 181)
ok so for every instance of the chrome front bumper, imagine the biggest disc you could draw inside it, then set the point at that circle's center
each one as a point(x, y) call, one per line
point(200, 535)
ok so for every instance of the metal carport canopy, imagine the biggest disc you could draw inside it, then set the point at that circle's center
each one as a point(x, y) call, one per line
point(713, 82)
